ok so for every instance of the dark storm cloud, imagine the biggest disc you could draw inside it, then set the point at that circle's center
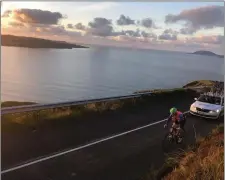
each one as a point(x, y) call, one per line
point(125, 20)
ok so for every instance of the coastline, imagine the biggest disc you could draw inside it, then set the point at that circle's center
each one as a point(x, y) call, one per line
point(197, 85)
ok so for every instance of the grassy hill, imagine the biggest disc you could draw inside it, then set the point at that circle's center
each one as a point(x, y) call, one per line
point(208, 53)
point(30, 42)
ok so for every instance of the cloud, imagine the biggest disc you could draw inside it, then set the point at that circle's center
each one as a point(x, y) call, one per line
point(148, 35)
point(167, 37)
point(53, 30)
point(206, 17)
point(15, 24)
point(124, 21)
point(147, 23)
point(100, 27)
point(49, 29)
point(132, 33)
point(100, 22)
point(137, 34)
point(70, 26)
point(80, 26)
point(187, 30)
point(6, 14)
point(101, 31)
point(170, 31)
point(215, 39)
point(57, 30)
point(35, 16)
point(38, 22)
point(169, 34)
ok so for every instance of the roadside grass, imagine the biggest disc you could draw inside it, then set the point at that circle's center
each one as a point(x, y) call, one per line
point(71, 113)
point(160, 90)
point(203, 160)
point(198, 83)
point(194, 84)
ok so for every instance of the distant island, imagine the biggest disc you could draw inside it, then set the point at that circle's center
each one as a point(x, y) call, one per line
point(30, 42)
point(207, 53)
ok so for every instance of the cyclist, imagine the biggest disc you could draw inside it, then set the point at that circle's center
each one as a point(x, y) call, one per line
point(178, 120)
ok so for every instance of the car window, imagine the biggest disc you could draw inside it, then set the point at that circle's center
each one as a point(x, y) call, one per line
point(210, 99)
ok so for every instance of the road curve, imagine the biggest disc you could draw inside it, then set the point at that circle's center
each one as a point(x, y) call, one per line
point(125, 157)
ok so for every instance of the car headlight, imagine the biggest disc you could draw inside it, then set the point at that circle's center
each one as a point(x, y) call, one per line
point(193, 107)
point(216, 111)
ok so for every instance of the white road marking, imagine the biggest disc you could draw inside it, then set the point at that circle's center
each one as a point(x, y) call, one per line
point(80, 147)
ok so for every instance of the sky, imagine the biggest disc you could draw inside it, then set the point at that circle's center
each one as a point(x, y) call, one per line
point(176, 26)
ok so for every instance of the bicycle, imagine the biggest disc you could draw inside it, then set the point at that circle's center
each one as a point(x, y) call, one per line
point(172, 137)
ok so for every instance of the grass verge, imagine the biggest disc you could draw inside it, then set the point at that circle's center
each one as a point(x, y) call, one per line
point(204, 84)
point(199, 83)
point(117, 106)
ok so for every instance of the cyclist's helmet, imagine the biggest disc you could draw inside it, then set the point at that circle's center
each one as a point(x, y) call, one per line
point(173, 110)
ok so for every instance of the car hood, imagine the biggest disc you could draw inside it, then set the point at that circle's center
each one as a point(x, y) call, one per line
point(207, 106)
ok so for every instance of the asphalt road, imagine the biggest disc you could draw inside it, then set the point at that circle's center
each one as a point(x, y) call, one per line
point(126, 157)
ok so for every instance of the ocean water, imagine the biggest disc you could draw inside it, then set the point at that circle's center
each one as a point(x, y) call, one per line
point(54, 75)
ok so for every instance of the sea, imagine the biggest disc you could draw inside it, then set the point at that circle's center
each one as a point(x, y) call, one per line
point(56, 75)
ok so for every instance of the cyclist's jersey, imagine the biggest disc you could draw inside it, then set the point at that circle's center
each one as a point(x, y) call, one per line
point(176, 118)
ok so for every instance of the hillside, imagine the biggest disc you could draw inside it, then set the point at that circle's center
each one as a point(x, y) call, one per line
point(20, 41)
point(203, 161)
point(207, 53)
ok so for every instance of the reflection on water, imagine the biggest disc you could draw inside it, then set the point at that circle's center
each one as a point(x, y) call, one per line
point(51, 75)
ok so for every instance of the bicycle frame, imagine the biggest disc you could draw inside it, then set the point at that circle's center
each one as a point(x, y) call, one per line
point(173, 132)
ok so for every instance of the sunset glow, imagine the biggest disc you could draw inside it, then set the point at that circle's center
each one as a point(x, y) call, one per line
point(185, 26)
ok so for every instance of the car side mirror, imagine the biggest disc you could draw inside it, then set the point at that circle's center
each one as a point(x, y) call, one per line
point(195, 99)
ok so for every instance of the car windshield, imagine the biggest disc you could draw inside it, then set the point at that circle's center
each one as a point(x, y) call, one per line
point(209, 99)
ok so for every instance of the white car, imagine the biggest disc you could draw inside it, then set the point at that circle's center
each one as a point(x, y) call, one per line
point(208, 106)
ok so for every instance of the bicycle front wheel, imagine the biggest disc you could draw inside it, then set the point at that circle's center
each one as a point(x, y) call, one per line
point(167, 142)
